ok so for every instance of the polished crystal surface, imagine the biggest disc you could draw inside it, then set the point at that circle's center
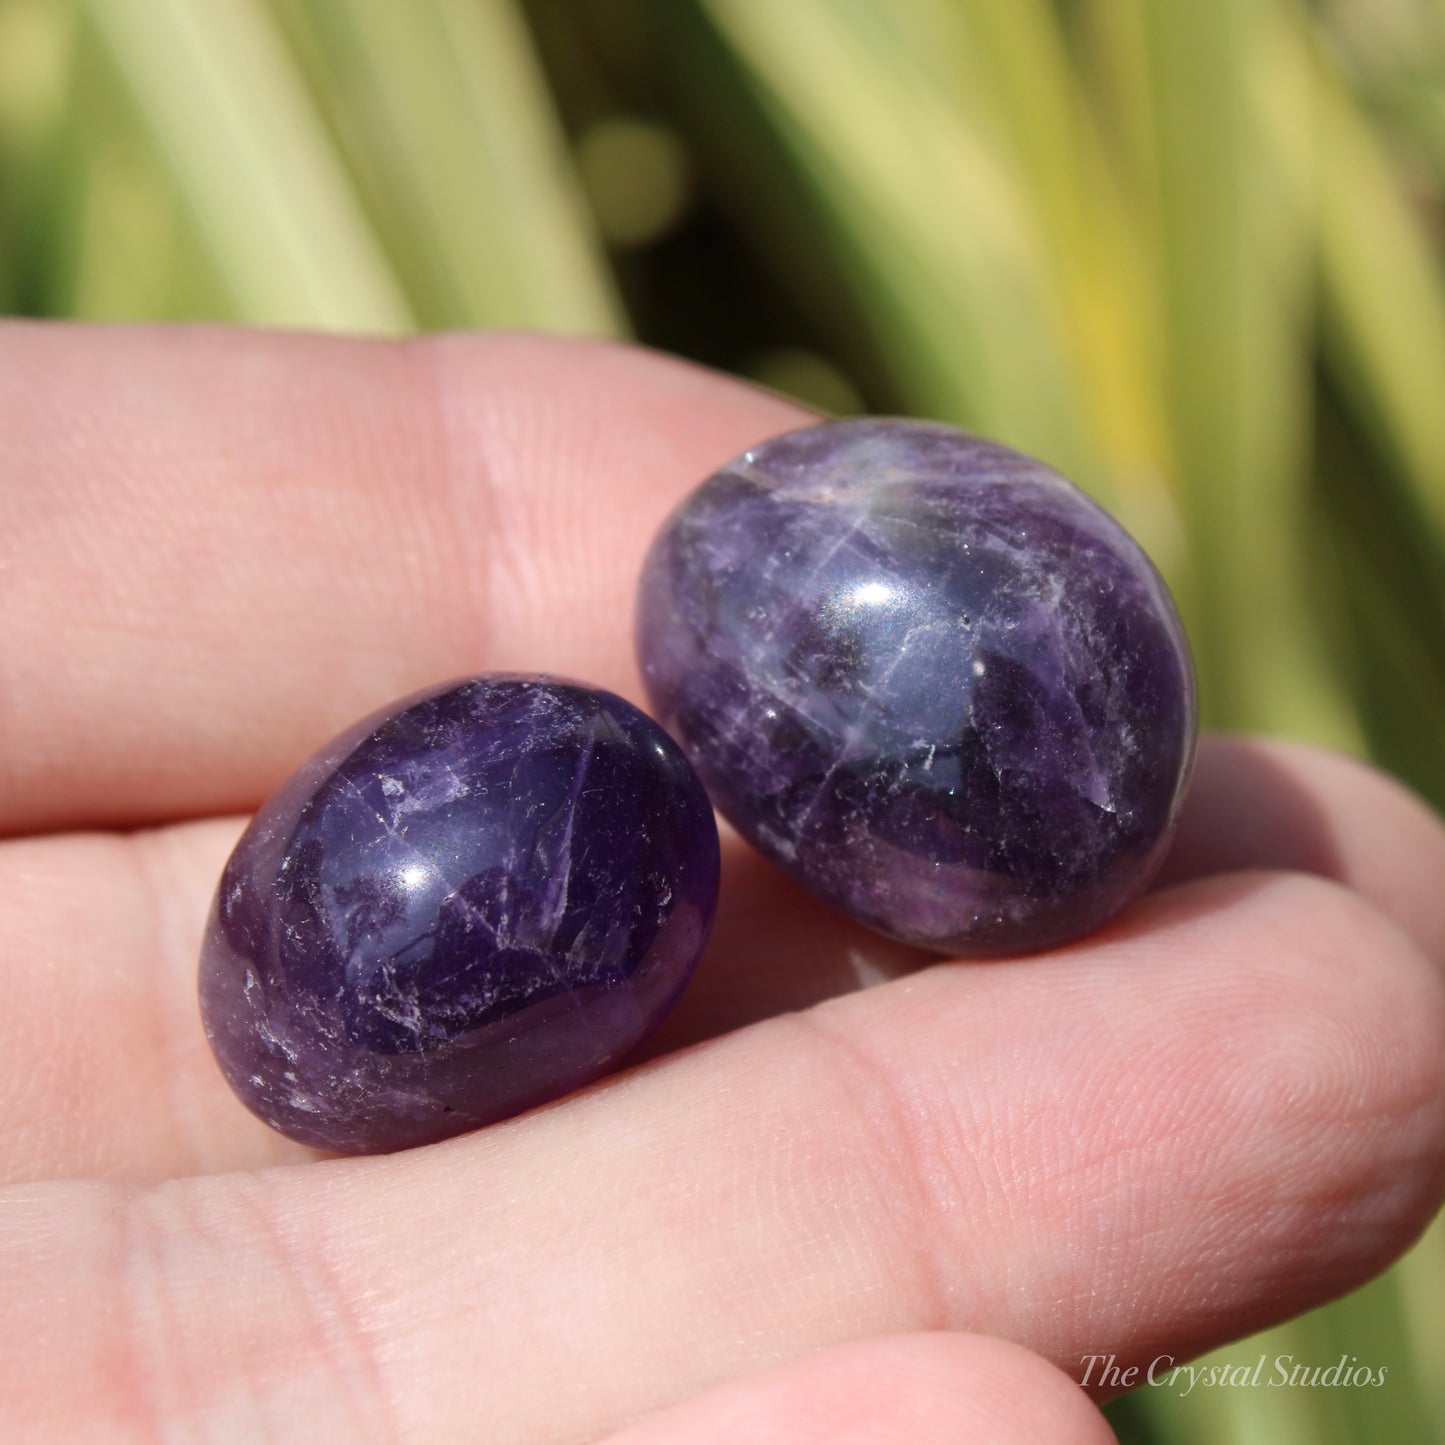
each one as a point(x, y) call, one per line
point(927, 677)
point(468, 904)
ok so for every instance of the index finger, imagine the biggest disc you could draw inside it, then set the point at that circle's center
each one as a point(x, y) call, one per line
point(222, 546)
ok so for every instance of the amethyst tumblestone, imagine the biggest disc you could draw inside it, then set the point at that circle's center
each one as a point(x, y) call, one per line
point(927, 677)
point(469, 903)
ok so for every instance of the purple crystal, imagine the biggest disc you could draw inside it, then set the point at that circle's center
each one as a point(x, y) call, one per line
point(470, 903)
point(927, 677)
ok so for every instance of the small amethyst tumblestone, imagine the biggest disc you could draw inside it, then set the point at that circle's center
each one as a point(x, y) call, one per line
point(469, 903)
point(927, 677)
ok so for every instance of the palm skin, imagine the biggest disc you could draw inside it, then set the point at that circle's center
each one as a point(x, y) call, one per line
point(817, 1210)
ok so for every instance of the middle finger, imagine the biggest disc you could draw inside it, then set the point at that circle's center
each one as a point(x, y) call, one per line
point(1211, 1116)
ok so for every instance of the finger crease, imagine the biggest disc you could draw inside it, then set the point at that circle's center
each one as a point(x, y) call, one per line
point(892, 1146)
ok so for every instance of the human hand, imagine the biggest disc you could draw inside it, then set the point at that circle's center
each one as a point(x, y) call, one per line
point(801, 1218)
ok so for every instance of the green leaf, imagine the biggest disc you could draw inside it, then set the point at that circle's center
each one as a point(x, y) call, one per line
point(233, 124)
point(443, 116)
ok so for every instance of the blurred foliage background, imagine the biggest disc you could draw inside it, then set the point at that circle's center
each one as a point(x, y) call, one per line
point(1188, 252)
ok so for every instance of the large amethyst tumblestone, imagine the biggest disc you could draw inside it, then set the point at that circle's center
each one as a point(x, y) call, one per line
point(927, 677)
point(468, 904)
